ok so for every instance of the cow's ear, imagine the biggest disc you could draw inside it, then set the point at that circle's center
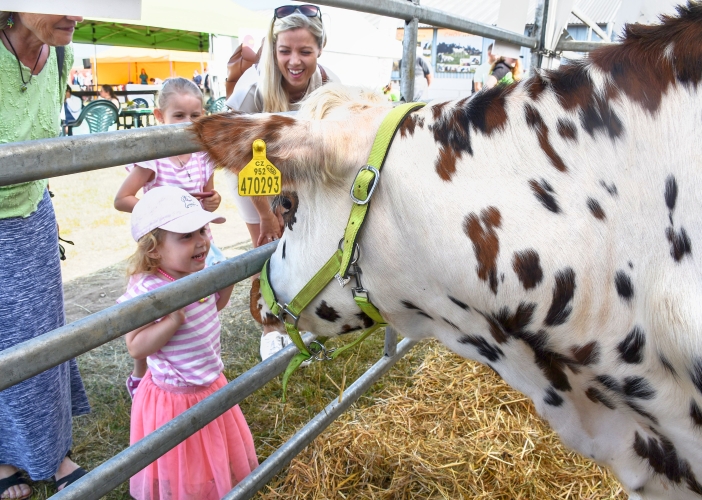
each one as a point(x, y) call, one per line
point(228, 138)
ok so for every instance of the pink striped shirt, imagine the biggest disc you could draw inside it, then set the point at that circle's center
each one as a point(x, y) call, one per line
point(192, 355)
point(166, 173)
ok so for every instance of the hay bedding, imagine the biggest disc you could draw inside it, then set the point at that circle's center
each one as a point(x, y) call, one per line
point(455, 430)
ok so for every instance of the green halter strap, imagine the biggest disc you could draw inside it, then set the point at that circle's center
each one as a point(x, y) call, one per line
point(339, 263)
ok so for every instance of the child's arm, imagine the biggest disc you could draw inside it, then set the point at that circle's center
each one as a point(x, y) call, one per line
point(224, 295)
point(211, 202)
point(125, 199)
point(150, 338)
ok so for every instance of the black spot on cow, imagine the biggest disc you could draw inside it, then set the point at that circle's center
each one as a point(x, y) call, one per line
point(696, 373)
point(680, 244)
point(695, 413)
point(503, 324)
point(286, 203)
point(638, 387)
point(664, 460)
point(453, 325)
point(599, 116)
point(631, 266)
point(610, 188)
point(552, 398)
point(527, 266)
point(609, 382)
point(485, 349)
point(625, 288)
point(567, 129)
point(460, 304)
point(551, 363)
point(563, 292)
point(545, 194)
point(536, 123)
point(367, 320)
point(632, 347)
point(641, 411)
point(588, 354)
point(327, 312)
point(668, 365)
point(284, 249)
point(596, 209)
point(410, 305)
point(671, 192)
point(596, 396)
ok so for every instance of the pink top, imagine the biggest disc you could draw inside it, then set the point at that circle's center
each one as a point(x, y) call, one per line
point(192, 356)
point(166, 173)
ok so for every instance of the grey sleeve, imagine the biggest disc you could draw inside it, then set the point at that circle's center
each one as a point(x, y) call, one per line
point(425, 67)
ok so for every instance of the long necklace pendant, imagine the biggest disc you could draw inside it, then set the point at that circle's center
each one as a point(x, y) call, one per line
point(23, 87)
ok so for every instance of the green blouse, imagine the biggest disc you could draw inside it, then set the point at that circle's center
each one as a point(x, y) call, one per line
point(29, 115)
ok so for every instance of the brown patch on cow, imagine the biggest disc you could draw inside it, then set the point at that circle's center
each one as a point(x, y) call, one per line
point(254, 297)
point(535, 86)
point(446, 163)
point(534, 120)
point(528, 268)
point(567, 130)
point(227, 137)
point(545, 194)
point(595, 209)
point(572, 85)
point(596, 396)
point(563, 292)
point(407, 126)
point(486, 244)
point(587, 354)
point(438, 109)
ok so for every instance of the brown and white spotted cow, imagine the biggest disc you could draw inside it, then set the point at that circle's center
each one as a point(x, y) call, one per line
point(551, 230)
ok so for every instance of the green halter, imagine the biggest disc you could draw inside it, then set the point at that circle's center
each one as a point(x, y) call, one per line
point(341, 265)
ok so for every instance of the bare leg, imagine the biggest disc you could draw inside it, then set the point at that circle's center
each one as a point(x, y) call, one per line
point(66, 467)
point(19, 491)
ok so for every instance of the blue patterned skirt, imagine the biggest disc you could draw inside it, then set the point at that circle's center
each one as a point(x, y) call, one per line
point(35, 415)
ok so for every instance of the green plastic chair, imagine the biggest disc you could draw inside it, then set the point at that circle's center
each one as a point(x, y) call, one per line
point(218, 105)
point(99, 115)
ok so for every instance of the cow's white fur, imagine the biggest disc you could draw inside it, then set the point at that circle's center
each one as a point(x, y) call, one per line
point(414, 248)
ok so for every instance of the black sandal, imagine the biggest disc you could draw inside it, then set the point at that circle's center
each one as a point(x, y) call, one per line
point(71, 478)
point(15, 479)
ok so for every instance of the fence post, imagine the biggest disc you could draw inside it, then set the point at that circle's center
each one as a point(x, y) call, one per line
point(409, 57)
point(390, 342)
point(539, 33)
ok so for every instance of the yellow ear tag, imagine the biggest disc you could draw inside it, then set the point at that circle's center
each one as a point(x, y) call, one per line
point(259, 177)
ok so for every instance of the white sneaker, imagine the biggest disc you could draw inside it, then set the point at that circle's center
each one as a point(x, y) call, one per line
point(273, 342)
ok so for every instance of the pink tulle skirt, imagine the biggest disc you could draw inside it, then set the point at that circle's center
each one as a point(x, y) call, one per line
point(205, 466)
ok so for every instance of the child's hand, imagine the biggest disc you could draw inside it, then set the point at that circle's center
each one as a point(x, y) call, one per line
point(210, 200)
point(178, 316)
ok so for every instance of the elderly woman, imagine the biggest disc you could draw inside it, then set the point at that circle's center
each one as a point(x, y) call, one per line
point(35, 415)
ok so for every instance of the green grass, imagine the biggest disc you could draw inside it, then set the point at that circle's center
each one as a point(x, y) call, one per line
point(105, 432)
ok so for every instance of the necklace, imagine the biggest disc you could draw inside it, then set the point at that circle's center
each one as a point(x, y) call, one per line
point(182, 166)
point(171, 278)
point(23, 87)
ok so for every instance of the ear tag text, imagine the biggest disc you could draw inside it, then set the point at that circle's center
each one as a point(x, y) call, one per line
point(259, 177)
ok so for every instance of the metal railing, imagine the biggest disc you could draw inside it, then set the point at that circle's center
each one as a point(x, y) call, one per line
point(33, 160)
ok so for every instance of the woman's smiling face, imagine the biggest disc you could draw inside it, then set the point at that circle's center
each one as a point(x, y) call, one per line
point(296, 53)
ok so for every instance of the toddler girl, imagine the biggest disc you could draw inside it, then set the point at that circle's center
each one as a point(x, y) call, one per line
point(179, 101)
point(182, 350)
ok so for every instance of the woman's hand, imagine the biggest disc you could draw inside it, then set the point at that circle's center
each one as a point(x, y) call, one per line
point(270, 229)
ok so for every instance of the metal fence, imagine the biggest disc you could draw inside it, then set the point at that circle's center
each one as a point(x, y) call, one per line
point(33, 160)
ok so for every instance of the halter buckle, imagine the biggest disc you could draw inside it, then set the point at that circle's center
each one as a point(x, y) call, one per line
point(375, 171)
point(286, 310)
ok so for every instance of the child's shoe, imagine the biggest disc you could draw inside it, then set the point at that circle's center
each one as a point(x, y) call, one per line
point(133, 385)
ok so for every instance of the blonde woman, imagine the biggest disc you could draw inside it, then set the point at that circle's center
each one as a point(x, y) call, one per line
point(287, 73)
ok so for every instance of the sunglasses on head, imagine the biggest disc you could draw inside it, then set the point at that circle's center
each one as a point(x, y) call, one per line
point(306, 10)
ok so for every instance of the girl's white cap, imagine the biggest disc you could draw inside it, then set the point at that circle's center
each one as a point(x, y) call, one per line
point(172, 209)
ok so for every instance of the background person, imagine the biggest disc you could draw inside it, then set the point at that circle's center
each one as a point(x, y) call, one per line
point(504, 71)
point(287, 73)
point(107, 92)
point(35, 415)
point(143, 77)
point(183, 353)
point(422, 76)
point(483, 71)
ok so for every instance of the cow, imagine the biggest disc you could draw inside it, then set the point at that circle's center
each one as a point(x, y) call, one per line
point(549, 229)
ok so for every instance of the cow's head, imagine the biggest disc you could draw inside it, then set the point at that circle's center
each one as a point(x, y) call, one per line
point(318, 152)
